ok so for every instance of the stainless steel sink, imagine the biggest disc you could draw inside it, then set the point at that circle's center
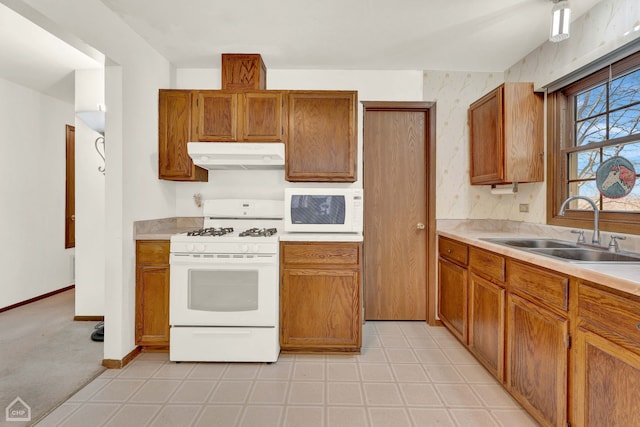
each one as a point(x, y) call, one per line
point(567, 251)
point(529, 243)
point(587, 255)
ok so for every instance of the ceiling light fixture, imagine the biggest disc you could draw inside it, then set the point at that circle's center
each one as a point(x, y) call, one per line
point(560, 18)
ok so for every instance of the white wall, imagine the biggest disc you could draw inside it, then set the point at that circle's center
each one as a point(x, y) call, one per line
point(371, 86)
point(600, 31)
point(32, 189)
point(133, 76)
point(90, 199)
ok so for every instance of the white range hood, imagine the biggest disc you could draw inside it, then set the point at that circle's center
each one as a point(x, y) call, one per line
point(237, 155)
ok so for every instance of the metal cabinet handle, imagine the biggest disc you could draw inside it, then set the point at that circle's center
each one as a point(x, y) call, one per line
point(420, 226)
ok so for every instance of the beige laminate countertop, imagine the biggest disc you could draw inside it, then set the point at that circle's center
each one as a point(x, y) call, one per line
point(624, 277)
point(164, 228)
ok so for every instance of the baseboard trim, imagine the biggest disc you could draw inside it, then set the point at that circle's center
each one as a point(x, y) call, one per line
point(119, 364)
point(38, 298)
point(89, 318)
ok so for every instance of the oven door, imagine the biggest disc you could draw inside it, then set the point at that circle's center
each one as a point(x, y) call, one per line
point(223, 290)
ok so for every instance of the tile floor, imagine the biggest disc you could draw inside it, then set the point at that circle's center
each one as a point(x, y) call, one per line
point(409, 374)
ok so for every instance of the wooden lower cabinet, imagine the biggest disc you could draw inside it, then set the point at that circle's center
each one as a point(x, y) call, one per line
point(321, 297)
point(453, 286)
point(607, 358)
point(152, 294)
point(487, 299)
point(569, 348)
point(486, 323)
point(537, 360)
point(452, 298)
point(607, 383)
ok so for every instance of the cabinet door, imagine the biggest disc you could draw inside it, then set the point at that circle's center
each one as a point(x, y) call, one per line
point(215, 116)
point(607, 383)
point(452, 298)
point(262, 117)
point(320, 309)
point(322, 144)
point(486, 324)
point(537, 358)
point(486, 139)
point(152, 293)
point(174, 131)
point(152, 306)
point(243, 71)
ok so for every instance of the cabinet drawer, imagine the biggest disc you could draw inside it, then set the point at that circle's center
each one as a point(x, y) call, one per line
point(313, 253)
point(545, 286)
point(607, 310)
point(455, 251)
point(487, 264)
point(152, 252)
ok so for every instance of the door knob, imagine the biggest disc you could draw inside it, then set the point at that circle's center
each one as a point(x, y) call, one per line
point(73, 217)
point(420, 226)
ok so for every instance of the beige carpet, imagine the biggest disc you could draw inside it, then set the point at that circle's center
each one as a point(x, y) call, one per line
point(45, 356)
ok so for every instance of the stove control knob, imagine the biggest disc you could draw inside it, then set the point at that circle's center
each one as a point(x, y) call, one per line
point(255, 248)
point(190, 247)
point(199, 248)
point(244, 248)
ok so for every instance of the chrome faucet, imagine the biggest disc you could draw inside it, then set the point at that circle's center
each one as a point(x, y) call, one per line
point(596, 216)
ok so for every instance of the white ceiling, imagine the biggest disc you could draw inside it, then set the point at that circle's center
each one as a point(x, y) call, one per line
point(34, 58)
point(455, 35)
point(460, 35)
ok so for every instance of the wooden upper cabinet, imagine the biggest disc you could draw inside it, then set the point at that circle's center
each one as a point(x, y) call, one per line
point(506, 136)
point(215, 116)
point(322, 143)
point(319, 129)
point(232, 116)
point(174, 131)
point(243, 71)
point(262, 116)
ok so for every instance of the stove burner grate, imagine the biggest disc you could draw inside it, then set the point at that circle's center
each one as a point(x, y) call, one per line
point(211, 231)
point(258, 232)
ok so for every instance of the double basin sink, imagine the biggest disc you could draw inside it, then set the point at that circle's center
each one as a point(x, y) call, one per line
point(566, 251)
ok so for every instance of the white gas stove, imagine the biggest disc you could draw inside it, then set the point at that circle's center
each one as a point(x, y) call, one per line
point(224, 290)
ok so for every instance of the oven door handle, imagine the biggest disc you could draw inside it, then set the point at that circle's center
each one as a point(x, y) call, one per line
point(213, 332)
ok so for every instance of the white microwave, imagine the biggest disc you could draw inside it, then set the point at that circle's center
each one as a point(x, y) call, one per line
point(323, 210)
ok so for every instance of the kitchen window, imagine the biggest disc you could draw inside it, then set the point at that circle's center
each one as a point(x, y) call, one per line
point(590, 121)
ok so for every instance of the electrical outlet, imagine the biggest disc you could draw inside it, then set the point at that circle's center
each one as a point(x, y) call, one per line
point(524, 207)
